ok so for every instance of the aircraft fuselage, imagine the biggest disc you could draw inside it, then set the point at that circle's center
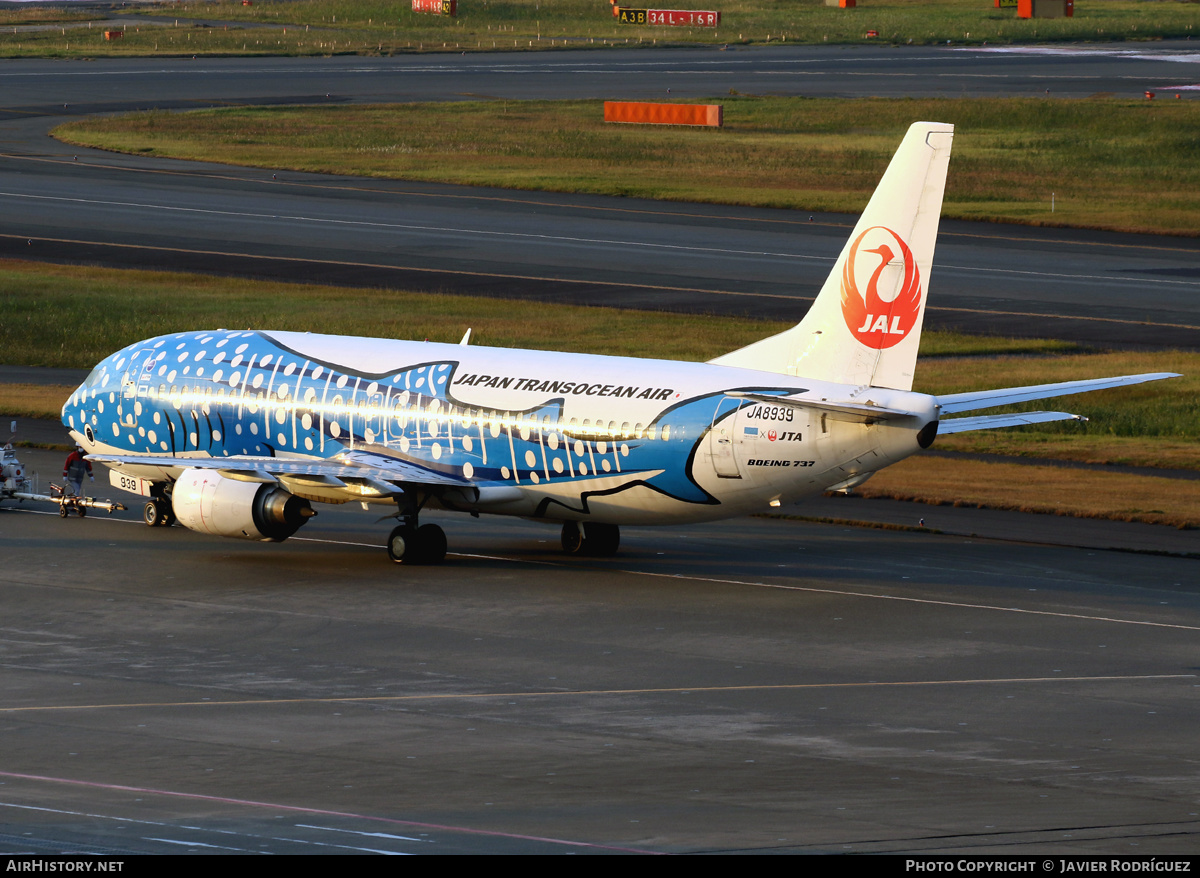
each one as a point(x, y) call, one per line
point(549, 435)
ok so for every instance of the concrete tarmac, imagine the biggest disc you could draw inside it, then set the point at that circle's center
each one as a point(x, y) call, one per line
point(749, 686)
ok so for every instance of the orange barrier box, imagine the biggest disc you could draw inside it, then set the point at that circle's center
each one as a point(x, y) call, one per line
point(437, 7)
point(639, 113)
point(667, 17)
point(1045, 8)
point(114, 34)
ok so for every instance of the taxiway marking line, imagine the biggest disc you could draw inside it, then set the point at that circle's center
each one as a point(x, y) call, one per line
point(596, 208)
point(212, 830)
point(577, 693)
point(299, 809)
point(608, 283)
point(887, 597)
point(567, 239)
point(683, 577)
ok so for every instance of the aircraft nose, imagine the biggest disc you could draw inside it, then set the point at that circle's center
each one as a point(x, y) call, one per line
point(73, 408)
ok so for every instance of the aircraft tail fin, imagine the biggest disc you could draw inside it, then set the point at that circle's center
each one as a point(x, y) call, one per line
point(865, 325)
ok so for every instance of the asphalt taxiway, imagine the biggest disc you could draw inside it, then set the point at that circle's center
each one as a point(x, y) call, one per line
point(59, 202)
point(756, 685)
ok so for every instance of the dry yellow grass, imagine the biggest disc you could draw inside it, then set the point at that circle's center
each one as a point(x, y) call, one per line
point(1048, 489)
point(33, 400)
point(1158, 452)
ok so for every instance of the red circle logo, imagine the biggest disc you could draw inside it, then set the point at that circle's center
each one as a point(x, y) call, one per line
point(882, 314)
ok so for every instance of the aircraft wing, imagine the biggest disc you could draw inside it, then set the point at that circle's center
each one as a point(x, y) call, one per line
point(355, 475)
point(986, 399)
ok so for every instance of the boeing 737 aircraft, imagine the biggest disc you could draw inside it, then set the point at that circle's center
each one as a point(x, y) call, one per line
point(238, 433)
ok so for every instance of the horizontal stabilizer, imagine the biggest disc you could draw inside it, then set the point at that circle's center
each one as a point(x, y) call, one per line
point(991, 422)
point(952, 403)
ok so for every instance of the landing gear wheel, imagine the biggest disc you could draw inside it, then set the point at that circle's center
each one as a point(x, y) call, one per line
point(592, 539)
point(157, 514)
point(432, 540)
point(422, 545)
point(572, 538)
point(601, 540)
point(402, 544)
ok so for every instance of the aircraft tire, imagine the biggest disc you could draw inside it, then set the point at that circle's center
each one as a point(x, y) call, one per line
point(154, 514)
point(572, 538)
point(402, 545)
point(432, 542)
point(601, 540)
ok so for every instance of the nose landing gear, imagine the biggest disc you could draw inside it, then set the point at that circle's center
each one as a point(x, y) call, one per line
point(158, 513)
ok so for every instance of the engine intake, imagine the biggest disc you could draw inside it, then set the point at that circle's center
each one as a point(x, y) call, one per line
point(210, 503)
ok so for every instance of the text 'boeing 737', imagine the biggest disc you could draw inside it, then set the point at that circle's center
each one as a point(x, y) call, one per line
point(239, 433)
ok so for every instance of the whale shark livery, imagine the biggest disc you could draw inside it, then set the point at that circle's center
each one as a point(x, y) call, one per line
point(239, 433)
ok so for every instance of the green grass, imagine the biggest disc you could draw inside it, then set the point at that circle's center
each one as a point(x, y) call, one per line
point(1129, 165)
point(324, 27)
point(1155, 424)
point(38, 14)
point(1046, 489)
point(73, 317)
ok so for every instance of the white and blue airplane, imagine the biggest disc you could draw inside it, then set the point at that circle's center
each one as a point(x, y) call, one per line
point(238, 433)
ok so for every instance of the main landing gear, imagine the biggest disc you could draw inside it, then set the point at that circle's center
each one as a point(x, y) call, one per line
point(413, 543)
point(591, 538)
point(408, 544)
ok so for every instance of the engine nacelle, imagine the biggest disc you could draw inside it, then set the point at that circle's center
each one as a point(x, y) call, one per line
point(207, 502)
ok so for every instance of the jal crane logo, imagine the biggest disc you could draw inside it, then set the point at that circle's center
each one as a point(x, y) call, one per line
point(880, 255)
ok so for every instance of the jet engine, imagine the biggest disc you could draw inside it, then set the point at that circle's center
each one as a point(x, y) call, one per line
point(210, 503)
